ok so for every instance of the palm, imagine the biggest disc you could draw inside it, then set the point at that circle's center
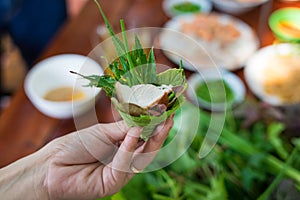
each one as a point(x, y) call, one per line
point(91, 163)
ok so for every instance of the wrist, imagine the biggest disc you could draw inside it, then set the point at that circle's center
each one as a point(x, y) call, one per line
point(25, 178)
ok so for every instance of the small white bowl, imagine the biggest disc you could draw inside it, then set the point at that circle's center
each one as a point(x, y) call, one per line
point(205, 6)
point(232, 80)
point(235, 7)
point(53, 73)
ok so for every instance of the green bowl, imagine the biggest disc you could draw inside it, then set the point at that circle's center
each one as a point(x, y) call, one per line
point(285, 24)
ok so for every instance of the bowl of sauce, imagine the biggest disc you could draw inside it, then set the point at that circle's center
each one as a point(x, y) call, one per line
point(57, 93)
point(215, 90)
point(285, 24)
point(64, 94)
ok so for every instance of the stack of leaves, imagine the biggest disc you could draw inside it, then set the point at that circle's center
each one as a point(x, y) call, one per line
point(141, 95)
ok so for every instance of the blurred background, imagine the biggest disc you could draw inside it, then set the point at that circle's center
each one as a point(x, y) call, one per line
point(19, 45)
point(259, 141)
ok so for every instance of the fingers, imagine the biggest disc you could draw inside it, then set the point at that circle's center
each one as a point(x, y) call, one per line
point(100, 141)
point(123, 158)
point(159, 136)
point(151, 147)
point(114, 131)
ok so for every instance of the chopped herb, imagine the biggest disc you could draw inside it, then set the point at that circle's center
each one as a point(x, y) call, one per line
point(213, 91)
point(186, 7)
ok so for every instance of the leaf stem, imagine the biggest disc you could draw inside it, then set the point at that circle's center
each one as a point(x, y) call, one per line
point(275, 165)
point(279, 177)
point(128, 56)
point(105, 19)
point(127, 50)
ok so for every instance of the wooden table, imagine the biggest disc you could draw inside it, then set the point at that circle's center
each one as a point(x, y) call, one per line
point(23, 129)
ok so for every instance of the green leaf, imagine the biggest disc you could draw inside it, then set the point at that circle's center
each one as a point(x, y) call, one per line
point(140, 51)
point(127, 50)
point(151, 57)
point(218, 189)
point(174, 77)
point(114, 67)
point(148, 73)
point(151, 67)
point(124, 63)
point(106, 82)
point(274, 131)
point(117, 42)
point(148, 122)
point(180, 65)
point(184, 164)
point(136, 188)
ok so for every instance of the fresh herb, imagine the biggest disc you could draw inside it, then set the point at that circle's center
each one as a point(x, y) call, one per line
point(246, 163)
point(215, 91)
point(186, 7)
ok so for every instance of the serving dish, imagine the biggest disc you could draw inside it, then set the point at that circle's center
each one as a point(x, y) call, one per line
point(52, 75)
point(172, 7)
point(236, 6)
point(285, 24)
point(189, 38)
point(273, 74)
point(226, 92)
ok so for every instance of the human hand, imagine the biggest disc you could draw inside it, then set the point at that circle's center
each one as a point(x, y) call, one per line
point(98, 161)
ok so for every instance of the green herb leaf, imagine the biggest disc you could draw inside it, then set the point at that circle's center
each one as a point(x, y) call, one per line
point(105, 82)
point(148, 122)
point(127, 50)
point(140, 53)
point(274, 131)
point(117, 42)
point(151, 72)
point(174, 77)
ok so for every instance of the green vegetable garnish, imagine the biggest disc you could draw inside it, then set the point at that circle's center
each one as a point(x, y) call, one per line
point(141, 96)
point(186, 7)
point(213, 91)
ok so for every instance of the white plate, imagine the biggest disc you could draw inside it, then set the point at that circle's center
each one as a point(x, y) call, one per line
point(255, 70)
point(232, 80)
point(167, 5)
point(197, 53)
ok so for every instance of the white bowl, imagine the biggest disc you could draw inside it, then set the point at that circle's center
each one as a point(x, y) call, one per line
point(258, 67)
point(53, 73)
point(205, 6)
point(232, 80)
point(236, 7)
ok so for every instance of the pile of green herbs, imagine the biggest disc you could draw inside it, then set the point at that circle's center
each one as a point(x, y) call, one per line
point(255, 158)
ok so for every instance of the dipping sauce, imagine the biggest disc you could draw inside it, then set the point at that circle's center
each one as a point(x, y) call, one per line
point(213, 91)
point(289, 28)
point(186, 7)
point(64, 94)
